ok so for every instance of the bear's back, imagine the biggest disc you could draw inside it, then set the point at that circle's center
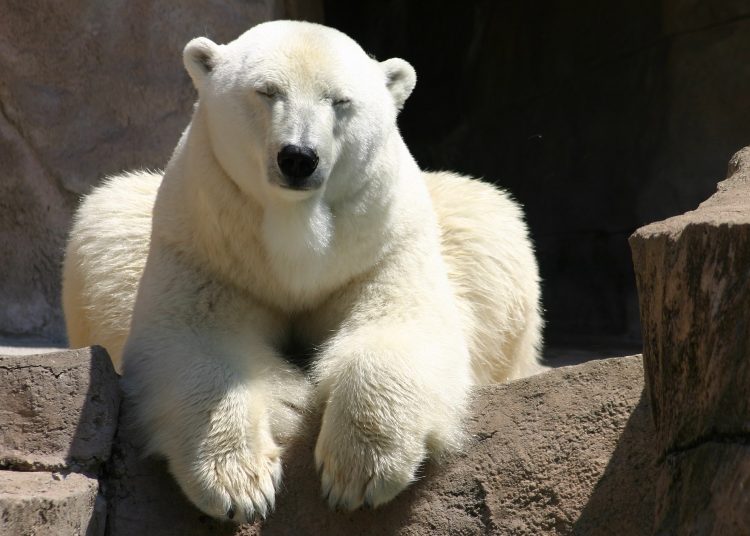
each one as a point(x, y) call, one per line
point(105, 258)
point(494, 273)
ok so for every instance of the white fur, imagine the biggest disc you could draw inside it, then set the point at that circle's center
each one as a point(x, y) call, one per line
point(412, 286)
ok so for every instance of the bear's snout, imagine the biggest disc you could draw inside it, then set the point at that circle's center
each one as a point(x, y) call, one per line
point(298, 163)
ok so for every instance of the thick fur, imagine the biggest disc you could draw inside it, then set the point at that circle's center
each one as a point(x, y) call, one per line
point(409, 287)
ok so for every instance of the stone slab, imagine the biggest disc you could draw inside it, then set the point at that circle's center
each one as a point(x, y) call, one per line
point(57, 411)
point(45, 504)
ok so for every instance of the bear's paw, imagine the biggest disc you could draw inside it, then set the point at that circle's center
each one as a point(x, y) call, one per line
point(239, 485)
point(364, 467)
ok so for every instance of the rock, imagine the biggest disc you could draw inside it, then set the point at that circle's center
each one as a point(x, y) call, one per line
point(41, 503)
point(100, 90)
point(57, 411)
point(694, 286)
point(562, 452)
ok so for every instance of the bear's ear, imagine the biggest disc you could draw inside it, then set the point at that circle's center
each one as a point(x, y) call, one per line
point(200, 57)
point(400, 78)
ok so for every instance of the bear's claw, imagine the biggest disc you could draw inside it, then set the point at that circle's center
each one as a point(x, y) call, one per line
point(347, 487)
point(239, 487)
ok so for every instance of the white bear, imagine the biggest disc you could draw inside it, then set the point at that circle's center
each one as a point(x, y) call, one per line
point(292, 220)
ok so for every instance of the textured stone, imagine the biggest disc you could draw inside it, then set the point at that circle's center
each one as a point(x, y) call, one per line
point(562, 452)
point(57, 411)
point(43, 504)
point(99, 90)
point(704, 490)
point(694, 286)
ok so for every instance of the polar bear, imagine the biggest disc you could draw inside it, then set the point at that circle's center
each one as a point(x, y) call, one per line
point(293, 254)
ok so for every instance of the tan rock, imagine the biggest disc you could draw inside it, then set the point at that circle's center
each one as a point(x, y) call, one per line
point(566, 451)
point(692, 275)
point(57, 411)
point(45, 504)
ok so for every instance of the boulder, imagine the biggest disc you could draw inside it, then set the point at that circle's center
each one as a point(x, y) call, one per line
point(42, 503)
point(57, 411)
point(567, 451)
point(694, 286)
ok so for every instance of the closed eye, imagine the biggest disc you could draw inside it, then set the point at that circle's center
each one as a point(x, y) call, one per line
point(267, 91)
point(341, 101)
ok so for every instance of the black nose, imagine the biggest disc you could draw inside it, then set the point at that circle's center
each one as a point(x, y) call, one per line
point(297, 162)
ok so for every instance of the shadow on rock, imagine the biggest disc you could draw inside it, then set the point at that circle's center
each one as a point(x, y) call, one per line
point(92, 441)
point(143, 498)
point(622, 501)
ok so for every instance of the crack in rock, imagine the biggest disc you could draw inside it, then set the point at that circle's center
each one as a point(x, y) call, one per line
point(726, 438)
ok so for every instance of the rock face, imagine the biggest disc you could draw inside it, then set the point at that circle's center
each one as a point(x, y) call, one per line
point(89, 89)
point(568, 451)
point(58, 415)
point(694, 286)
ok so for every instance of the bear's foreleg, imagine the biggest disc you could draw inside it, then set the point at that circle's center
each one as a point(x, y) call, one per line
point(211, 394)
point(220, 428)
point(393, 384)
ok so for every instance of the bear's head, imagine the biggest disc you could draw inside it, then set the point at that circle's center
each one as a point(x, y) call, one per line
point(294, 109)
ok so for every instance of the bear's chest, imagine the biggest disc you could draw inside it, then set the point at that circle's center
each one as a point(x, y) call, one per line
point(309, 256)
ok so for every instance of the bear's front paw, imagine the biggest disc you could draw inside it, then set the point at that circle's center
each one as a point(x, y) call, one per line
point(237, 485)
point(363, 463)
